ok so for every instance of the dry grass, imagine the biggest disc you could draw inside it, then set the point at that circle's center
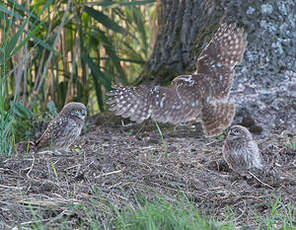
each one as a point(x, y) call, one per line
point(113, 163)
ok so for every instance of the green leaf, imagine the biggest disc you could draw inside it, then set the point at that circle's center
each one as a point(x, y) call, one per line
point(97, 72)
point(19, 109)
point(11, 13)
point(107, 43)
point(108, 3)
point(23, 9)
point(132, 53)
point(105, 20)
point(138, 19)
point(98, 77)
point(52, 108)
point(44, 44)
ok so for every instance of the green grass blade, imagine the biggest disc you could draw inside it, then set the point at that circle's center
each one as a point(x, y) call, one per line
point(138, 19)
point(105, 20)
point(11, 13)
point(97, 72)
point(107, 43)
point(162, 139)
point(22, 10)
point(99, 78)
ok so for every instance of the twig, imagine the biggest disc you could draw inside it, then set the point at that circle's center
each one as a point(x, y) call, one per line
point(267, 185)
point(30, 169)
point(242, 212)
point(10, 187)
point(109, 173)
point(78, 171)
point(128, 125)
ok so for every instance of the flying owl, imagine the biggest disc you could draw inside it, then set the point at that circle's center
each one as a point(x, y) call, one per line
point(240, 151)
point(201, 96)
point(63, 130)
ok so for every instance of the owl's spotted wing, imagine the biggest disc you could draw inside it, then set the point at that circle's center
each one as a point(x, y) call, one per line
point(52, 135)
point(220, 56)
point(178, 104)
point(185, 101)
point(174, 105)
point(132, 102)
point(201, 96)
point(216, 117)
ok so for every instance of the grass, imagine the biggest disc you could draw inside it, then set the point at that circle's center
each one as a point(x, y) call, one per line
point(65, 50)
point(162, 139)
point(160, 214)
point(35, 69)
point(146, 215)
point(6, 118)
point(166, 216)
point(282, 215)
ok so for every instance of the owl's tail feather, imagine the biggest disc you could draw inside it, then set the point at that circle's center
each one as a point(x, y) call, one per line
point(217, 117)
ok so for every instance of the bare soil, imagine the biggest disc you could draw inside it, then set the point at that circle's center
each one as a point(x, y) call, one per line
point(112, 162)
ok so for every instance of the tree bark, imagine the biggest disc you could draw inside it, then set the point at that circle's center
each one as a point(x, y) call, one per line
point(264, 87)
point(183, 29)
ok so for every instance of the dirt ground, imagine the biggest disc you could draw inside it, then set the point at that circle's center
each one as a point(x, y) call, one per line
point(117, 161)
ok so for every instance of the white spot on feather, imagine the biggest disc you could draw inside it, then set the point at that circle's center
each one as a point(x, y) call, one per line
point(162, 101)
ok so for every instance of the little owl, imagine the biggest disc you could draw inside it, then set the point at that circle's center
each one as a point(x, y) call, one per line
point(240, 151)
point(201, 96)
point(63, 130)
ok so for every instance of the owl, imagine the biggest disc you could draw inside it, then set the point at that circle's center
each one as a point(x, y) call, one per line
point(240, 151)
point(63, 130)
point(201, 96)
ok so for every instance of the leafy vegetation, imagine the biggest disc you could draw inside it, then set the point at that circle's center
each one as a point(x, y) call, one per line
point(67, 51)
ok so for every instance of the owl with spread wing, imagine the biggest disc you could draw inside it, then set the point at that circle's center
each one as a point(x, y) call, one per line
point(201, 96)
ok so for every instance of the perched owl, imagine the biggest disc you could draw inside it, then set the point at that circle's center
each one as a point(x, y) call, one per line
point(201, 96)
point(240, 151)
point(63, 130)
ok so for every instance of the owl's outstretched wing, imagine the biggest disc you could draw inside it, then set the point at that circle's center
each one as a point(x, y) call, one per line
point(215, 66)
point(131, 102)
point(215, 114)
point(174, 105)
point(216, 117)
point(218, 59)
point(200, 96)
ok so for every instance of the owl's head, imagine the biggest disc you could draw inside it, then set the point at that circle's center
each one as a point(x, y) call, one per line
point(74, 110)
point(239, 133)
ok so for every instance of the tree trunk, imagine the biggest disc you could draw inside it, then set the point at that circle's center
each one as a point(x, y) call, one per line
point(264, 87)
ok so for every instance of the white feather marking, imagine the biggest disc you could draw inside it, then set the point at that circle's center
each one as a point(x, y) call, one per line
point(162, 101)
